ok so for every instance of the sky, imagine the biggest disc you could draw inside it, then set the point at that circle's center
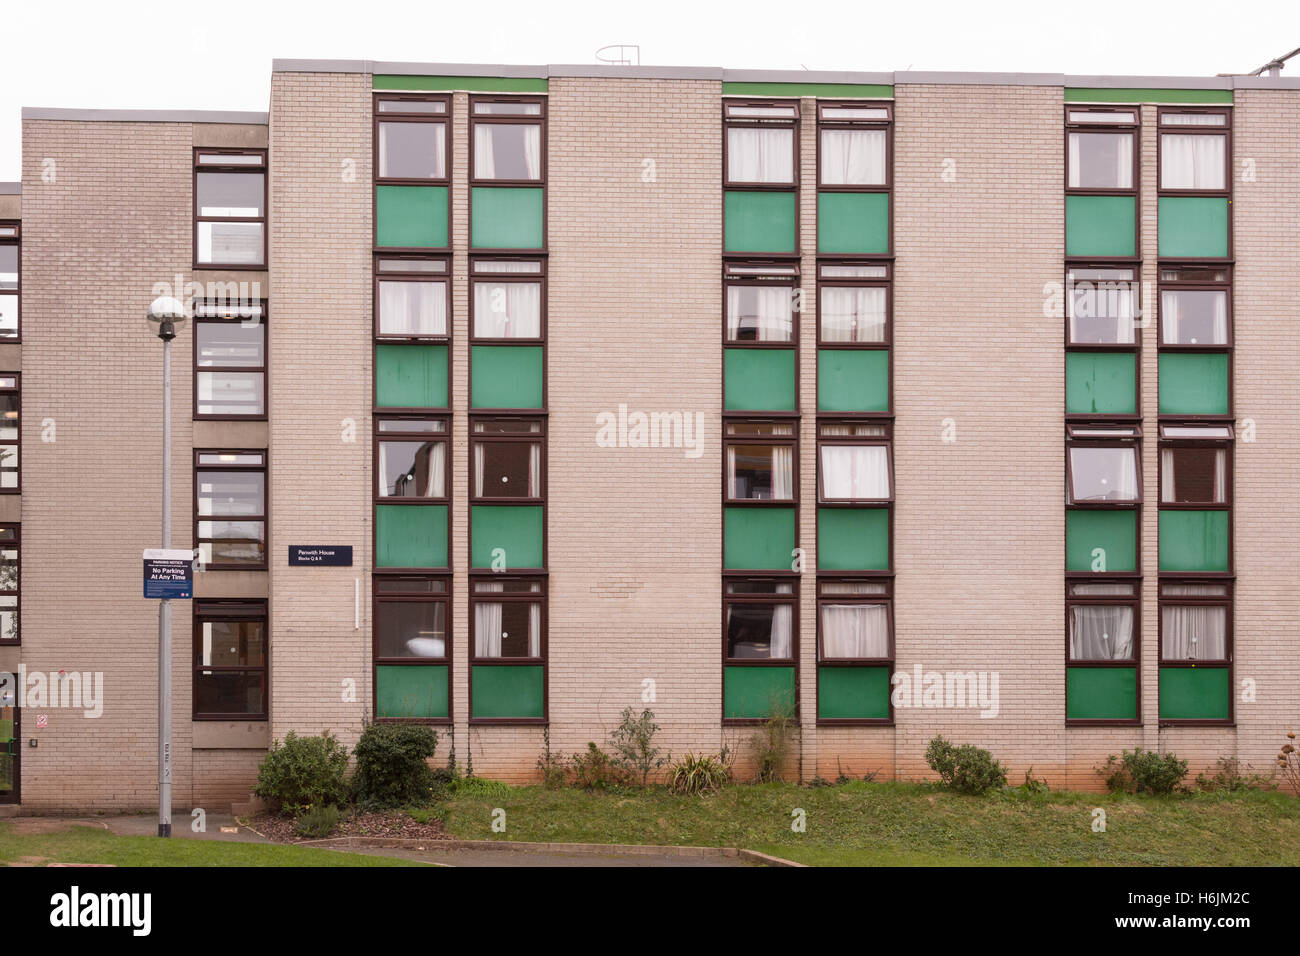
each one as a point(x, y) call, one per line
point(176, 55)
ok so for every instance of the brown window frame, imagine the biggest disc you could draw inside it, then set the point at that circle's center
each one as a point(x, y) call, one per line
point(761, 122)
point(16, 390)
point(777, 273)
point(1119, 125)
point(433, 119)
point(773, 599)
point(886, 440)
point(1228, 662)
point(885, 282)
point(243, 609)
point(1192, 282)
point(11, 540)
point(1225, 131)
point(15, 240)
point(1226, 445)
point(542, 597)
point(396, 275)
point(443, 436)
point(1132, 444)
point(790, 441)
point(378, 599)
point(485, 275)
point(264, 518)
point(263, 369)
point(1132, 600)
point(823, 660)
point(1082, 265)
point(264, 170)
point(538, 119)
point(539, 437)
point(886, 124)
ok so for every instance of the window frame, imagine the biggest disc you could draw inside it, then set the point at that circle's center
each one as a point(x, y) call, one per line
point(885, 282)
point(264, 518)
point(783, 274)
point(248, 168)
point(887, 599)
point(1225, 131)
point(790, 441)
point(1132, 444)
point(538, 277)
point(444, 276)
point(397, 116)
point(444, 436)
point(1081, 265)
point(758, 122)
point(209, 609)
point(263, 369)
point(1228, 663)
point(1195, 284)
point(1133, 600)
point(1119, 125)
point(886, 124)
point(17, 391)
point(886, 440)
point(15, 592)
point(538, 119)
point(1220, 444)
point(16, 240)
point(542, 597)
point(447, 660)
point(539, 437)
point(793, 600)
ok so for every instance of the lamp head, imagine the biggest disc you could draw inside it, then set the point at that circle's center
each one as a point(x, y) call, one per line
point(166, 315)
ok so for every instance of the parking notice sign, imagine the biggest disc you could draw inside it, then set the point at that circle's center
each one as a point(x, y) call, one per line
point(168, 573)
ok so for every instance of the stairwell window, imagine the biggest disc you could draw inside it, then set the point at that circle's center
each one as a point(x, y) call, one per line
point(230, 208)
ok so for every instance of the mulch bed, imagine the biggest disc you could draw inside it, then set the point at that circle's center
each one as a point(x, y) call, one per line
point(391, 823)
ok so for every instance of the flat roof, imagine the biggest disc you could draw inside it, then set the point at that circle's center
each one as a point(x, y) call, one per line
point(11, 189)
point(237, 117)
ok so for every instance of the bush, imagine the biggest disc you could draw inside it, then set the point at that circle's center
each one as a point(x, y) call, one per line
point(633, 743)
point(1228, 778)
point(596, 770)
point(392, 767)
point(965, 768)
point(1143, 771)
point(317, 822)
point(555, 773)
point(302, 772)
point(771, 744)
point(698, 775)
point(1288, 762)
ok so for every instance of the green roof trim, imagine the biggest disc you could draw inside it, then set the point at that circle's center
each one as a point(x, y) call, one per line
point(845, 90)
point(1090, 95)
point(485, 84)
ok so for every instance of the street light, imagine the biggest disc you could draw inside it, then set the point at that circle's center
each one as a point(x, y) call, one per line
point(166, 315)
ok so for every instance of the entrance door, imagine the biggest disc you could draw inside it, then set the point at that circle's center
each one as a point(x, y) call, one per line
point(10, 751)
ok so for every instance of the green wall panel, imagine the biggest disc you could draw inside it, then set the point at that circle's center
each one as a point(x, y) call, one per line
point(1115, 532)
point(411, 691)
point(410, 376)
point(1194, 693)
point(757, 692)
point(411, 536)
point(1132, 95)
point(1194, 227)
point(516, 529)
point(1193, 383)
point(1100, 226)
point(506, 376)
point(853, 222)
point(1101, 693)
point(853, 380)
point(1101, 383)
point(411, 216)
point(845, 693)
point(758, 221)
point(831, 90)
point(485, 84)
point(507, 217)
point(758, 538)
point(759, 380)
point(508, 690)
point(852, 539)
point(1193, 540)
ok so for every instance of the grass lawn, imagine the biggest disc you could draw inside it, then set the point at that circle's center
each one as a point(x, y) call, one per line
point(899, 824)
point(83, 844)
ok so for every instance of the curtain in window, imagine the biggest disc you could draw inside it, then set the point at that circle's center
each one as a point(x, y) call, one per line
point(782, 472)
point(412, 308)
point(760, 155)
point(1168, 474)
point(534, 630)
point(1194, 633)
point(478, 469)
point(534, 471)
point(1123, 170)
point(782, 645)
point(533, 151)
point(487, 624)
point(1101, 632)
point(853, 315)
point(437, 464)
point(772, 317)
point(855, 471)
point(1173, 315)
point(1189, 161)
point(1102, 310)
point(855, 630)
point(853, 157)
point(508, 310)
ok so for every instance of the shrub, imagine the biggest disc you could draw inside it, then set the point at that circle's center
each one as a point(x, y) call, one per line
point(302, 772)
point(965, 768)
point(1288, 762)
point(633, 743)
point(1228, 778)
point(771, 744)
point(317, 822)
point(698, 775)
point(552, 765)
point(1143, 771)
point(596, 770)
point(392, 768)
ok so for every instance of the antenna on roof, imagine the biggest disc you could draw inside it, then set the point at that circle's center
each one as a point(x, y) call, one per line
point(1274, 67)
point(620, 54)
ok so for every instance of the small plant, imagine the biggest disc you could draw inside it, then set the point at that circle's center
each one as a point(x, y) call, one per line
point(392, 766)
point(771, 744)
point(1228, 778)
point(553, 766)
point(1032, 784)
point(596, 770)
point(817, 782)
point(633, 744)
point(302, 772)
point(480, 787)
point(694, 775)
point(965, 768)
point(317, 822)
point(840, 776)
point(1143, 771)
point(1288, 762)
point(433, 814)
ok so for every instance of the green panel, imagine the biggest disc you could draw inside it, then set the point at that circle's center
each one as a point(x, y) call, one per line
point(411, 536)
point(1100, 383)
point(1114, 532)
point(1193, 227)
point(758, 221)
point(852, 539)
point(853, 380)
point(415, 691)
point(1194, 693)
point(411, 216)
point(1100, 226)
point(831, 90)
point(508, 691)
point(1193, 383)
point(506, 376)
point(1193, 540)
point(758, 538)
point(506, 217)
point(1101, 693)
point(1089, 95)
point(845, 693)
point(757, 692)
point(853, 222)
point(759, 380)
point(515, 529)
point(485, 84)
point(410, 376)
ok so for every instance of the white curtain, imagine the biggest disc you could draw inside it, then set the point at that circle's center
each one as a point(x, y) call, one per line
point(395, 130)
point(534, 471)
point(1173, 315)
point(760, 155)
point(782, 472)
point(413, 308)
point(782, 645)
point(1101, 632)
point(853, 314)
point(855, 630)
point(1168, 475)
point(507, 310)
point(485, 143)
point(772, 314)
point(534, 630)
point(1123, 170)
point(487, 624)
point(853, 157)
point(1102, 310)
point(436, 486)
point(478, 469)
point(855, 471)
point(1191, 161)
point(1194, 633)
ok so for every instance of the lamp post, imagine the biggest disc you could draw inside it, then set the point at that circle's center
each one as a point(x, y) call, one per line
point(167, 315)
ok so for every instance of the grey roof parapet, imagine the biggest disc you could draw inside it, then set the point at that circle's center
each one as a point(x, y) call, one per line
point(11, 189)
point(147, 116)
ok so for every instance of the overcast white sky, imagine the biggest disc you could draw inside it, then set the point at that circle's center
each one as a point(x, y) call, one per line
point(176, 55)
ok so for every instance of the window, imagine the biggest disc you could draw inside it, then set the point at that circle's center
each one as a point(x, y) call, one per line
point(854, 462)
point(760, 302)
point(230, 509)
point(1194, 474)
point(10, 588)
point(230, 208)
point(760, 143)
point(759, 620)
point(412, 298)
point(230, 655)
point(1103, 473)
point(10, 434)
point(411, 458)
point(412, 648)
point(229, 360)
point(508, 299)
point(854, 149)
point(1194, 150)
point(1100, 149)
point(411, 139)
point(853, 304)
point(760, 461)
point(1195, 307)
point(855, 620)
point(1103, 621)
point(1102, 306)
point(507, 477)
point(508, 619)
point(507, 142)
point(507, 460)
point(508, 649)
point(10, 280)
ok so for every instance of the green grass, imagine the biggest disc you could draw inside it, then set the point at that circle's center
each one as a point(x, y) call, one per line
point(898, 824)
point(83, 844)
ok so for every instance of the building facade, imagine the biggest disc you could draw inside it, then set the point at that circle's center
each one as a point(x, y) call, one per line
point(899, 404)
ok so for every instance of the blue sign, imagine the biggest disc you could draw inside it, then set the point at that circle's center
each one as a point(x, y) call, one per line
point(168, 573)
point(322, 555)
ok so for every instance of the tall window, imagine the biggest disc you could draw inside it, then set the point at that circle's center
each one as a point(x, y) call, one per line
point(760, 301)
point(761, 146)
point(412, 648)
point(230, 509)
point(230, 360)
point(508, 649)
point(1101, 149)
point(760, 462)
point(411, 138)
point(508, 299)
point(412, 297)
point(10, 280)
point(853, 305)
point(411, 459)
point(10, 434)
point(10, 580)
point(230, 660)
point(1194, 150)
point(230, 208)
point(508, 142)
point(855, 147)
